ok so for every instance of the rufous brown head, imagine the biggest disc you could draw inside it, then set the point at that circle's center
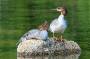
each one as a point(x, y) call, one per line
point(44, 26)
point(62, 10)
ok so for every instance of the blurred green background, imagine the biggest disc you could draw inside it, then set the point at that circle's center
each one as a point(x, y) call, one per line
point(19, 16)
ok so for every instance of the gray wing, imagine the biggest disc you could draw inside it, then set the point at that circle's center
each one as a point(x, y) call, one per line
point(29, 34)
point(25, 36)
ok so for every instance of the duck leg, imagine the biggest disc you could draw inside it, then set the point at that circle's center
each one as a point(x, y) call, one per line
point(55, 38)
point(53, 35)
point(61, 37)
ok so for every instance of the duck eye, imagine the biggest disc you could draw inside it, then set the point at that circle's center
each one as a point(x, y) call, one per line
point(58, 8)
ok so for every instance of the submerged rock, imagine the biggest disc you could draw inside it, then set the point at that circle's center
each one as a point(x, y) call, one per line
point(49, 47)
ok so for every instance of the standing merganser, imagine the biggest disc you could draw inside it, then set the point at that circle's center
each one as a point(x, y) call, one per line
point(59, 25)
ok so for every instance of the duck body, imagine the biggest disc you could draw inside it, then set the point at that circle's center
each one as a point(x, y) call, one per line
point(35, 34)
point(58, 25)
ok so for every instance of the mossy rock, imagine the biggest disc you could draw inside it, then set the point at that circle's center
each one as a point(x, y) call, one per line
point(39, 47)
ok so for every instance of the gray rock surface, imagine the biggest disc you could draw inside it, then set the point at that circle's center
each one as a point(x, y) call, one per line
point(73, 56)
point(49, 47)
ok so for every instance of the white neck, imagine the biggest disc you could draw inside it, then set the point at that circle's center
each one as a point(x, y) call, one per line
point(61, 13)
point(61, 16)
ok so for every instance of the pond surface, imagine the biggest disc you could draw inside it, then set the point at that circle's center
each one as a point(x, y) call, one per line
point(74, 56)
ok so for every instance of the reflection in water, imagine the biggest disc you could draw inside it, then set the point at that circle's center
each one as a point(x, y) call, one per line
point(74, 56)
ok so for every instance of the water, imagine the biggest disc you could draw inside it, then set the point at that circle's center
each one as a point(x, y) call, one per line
point(74, 56)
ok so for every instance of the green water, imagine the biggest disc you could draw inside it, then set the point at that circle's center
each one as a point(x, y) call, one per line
point(19, 16)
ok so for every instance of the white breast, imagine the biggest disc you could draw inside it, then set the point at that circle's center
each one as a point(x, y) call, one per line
point(58, 25)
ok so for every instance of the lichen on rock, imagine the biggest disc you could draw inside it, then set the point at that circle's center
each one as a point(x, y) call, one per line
point(39, 47)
